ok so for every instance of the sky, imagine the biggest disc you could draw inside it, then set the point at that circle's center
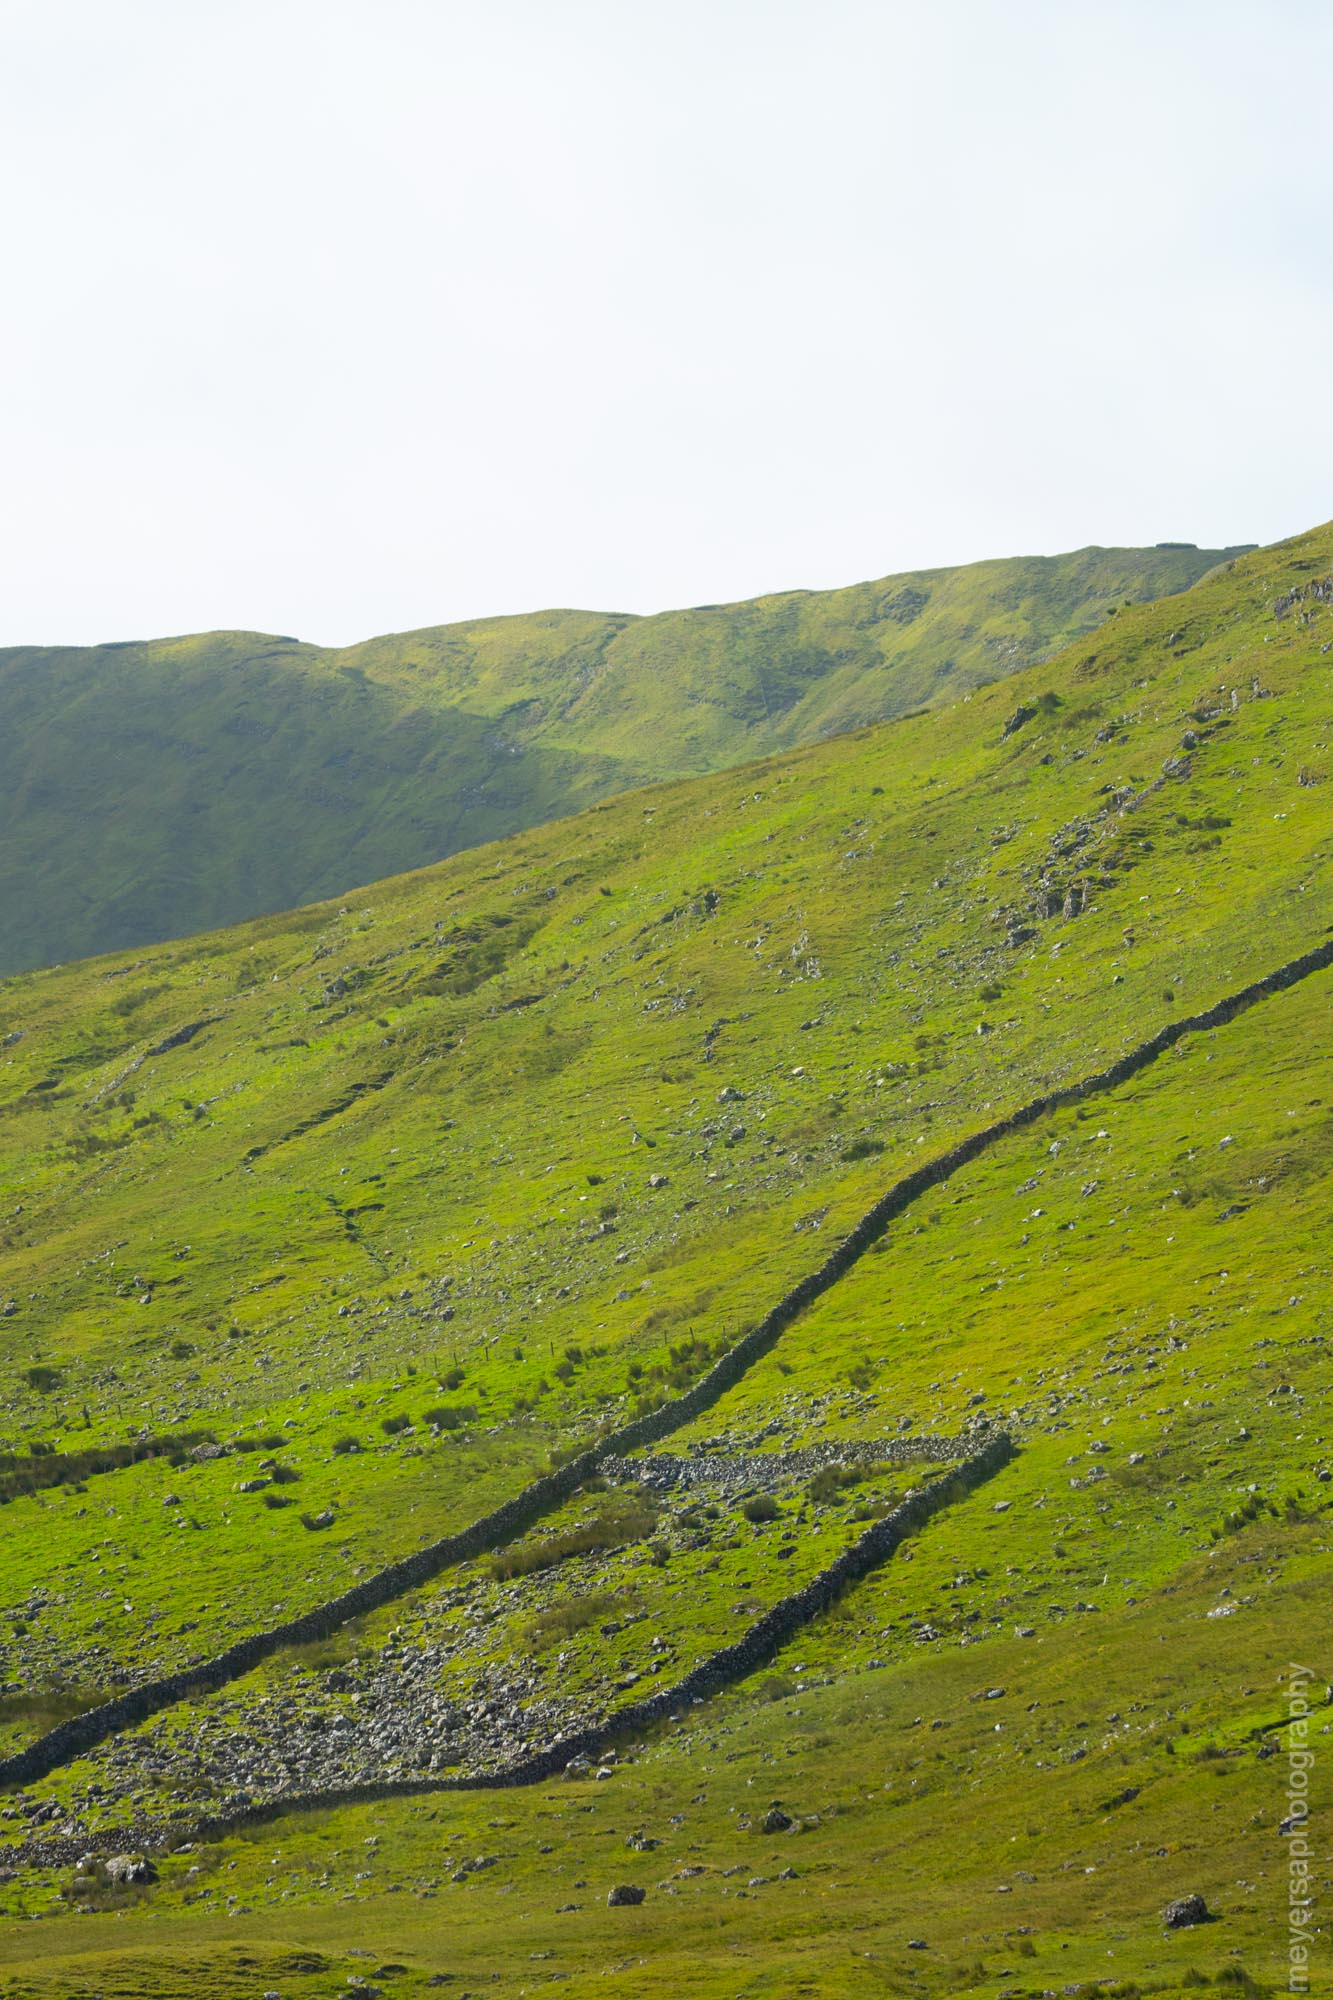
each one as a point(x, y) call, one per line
point(334, 317)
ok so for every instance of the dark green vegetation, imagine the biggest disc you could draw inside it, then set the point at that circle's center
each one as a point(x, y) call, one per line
point(528, 1138)
point(148, 790)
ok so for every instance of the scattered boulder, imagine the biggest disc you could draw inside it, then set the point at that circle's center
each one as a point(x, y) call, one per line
point(1184, 1911)
point(474, 1866)
point(130, 1868)
point(777, 1821)
point(624, 1895)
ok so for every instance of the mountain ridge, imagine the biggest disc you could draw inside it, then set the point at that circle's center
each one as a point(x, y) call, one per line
point(156, 788)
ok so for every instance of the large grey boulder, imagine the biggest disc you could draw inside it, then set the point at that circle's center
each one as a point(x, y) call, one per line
point(127, 1868)
point(1185, 1910)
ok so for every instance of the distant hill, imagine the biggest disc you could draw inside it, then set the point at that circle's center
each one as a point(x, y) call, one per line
point(157, 788)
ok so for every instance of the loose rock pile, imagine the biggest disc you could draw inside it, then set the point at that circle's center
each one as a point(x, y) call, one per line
point(730, 1471)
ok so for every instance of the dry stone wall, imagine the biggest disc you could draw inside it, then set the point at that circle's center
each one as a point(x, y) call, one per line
point(72, 1738)
point(721, 1669)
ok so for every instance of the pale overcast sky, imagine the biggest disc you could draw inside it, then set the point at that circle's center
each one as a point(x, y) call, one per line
point(334, 317)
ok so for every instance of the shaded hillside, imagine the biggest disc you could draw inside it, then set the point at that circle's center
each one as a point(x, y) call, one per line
point(151, 790)
point(400, 1198)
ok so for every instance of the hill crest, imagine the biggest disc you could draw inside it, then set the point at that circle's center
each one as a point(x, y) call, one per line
point(150, 789)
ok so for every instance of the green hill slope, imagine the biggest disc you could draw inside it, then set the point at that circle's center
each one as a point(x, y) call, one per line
point(155, 789)
point(403, 1197)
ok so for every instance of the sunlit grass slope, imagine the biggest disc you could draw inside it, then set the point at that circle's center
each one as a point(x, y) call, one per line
point(149, 790)
point(525, 1135)
point(613, 1080)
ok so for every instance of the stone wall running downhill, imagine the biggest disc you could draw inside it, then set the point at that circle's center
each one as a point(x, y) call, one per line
point(721, 1669)
point(72, 1738)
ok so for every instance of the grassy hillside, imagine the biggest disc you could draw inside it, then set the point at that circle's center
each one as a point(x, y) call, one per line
point(399, 1197)
point(155, 789)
